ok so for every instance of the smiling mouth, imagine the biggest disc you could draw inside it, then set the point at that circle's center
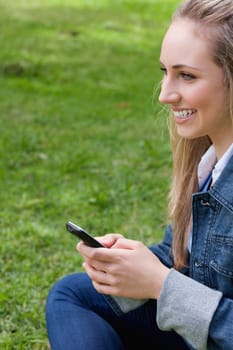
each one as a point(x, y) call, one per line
point(184, 114)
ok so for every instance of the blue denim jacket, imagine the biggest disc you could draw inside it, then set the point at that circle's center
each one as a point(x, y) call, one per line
point(211, 259)
point(203, 293)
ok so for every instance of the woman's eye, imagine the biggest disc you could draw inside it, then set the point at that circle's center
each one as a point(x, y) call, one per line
point(187, 76)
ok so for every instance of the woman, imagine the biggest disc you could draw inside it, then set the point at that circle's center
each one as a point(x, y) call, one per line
point(181, 297)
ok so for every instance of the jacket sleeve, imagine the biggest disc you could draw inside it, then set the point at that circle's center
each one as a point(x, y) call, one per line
point(163, 250)
point(201, 315)
point(221, 327)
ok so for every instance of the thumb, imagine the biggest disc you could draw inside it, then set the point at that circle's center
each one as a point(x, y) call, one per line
point(124, 243)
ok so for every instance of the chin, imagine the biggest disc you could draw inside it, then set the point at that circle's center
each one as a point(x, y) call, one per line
point(190, 135)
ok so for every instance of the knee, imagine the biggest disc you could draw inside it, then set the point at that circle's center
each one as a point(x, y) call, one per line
point(64, 290)
point(70, 288)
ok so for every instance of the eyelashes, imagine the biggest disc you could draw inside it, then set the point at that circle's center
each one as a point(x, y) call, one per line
point(187, 76)
point(184, 75)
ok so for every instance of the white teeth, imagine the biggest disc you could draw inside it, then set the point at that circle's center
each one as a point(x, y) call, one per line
point(183, 114)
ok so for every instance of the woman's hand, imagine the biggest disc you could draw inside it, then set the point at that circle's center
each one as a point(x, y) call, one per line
point(109, 240)
point(127, 269)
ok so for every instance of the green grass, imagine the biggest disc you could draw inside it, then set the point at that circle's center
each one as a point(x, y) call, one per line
point(82, 137)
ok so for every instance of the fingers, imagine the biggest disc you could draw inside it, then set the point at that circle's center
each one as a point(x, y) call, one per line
point(103, 282)
point(91, 253)
point(110, 239)
point(128, 244)
point(119, 251)
point(97, 275)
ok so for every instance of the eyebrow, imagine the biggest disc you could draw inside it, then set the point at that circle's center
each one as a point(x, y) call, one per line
point(181, 66)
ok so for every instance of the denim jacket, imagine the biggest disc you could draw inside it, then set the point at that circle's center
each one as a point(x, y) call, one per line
point(197, 302)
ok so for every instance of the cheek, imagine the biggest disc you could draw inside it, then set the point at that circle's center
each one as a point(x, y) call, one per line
point(208, 97)
point(198, 98)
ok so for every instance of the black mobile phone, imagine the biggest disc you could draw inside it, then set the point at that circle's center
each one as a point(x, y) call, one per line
point(83, 235)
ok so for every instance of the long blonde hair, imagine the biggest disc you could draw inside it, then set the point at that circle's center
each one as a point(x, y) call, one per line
point(215, 22)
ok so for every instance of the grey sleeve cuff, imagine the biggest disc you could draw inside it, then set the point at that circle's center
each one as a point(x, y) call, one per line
point(121, 305)
point(187, 307)
point(128, 304)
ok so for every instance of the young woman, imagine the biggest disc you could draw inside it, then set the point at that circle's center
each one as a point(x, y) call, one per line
point(181, 296)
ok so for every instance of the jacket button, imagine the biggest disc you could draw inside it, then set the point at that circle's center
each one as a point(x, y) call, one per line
point(205, 203)
point(197, 264)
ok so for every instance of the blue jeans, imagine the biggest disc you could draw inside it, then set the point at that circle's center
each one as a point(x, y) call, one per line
point(78, 317)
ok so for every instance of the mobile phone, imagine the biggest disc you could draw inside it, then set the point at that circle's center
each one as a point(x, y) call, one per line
point(83, 235)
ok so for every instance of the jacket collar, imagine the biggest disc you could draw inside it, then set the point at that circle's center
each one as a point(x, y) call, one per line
point(222, 190)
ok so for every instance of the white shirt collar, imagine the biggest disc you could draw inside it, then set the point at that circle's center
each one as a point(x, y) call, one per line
point(209, 164)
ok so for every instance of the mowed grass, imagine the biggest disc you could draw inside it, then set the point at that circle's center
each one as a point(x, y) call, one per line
point(82, 137)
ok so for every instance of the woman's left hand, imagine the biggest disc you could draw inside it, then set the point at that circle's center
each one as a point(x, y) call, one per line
point(127, 269)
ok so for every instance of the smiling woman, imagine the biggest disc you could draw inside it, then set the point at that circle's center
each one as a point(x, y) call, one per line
point(190, 82)
point(177, 294)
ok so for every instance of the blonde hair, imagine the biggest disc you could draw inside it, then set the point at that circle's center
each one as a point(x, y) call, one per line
point(214, 20)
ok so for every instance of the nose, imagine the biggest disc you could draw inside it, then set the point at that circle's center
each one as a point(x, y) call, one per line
point(169, 93)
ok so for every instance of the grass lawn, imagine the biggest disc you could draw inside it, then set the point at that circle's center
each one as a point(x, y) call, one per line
point(82, 138)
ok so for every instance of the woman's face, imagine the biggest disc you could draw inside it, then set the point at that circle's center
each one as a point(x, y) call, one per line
point(193, 86)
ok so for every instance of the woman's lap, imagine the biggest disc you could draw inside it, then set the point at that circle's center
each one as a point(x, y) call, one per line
point(78, 317)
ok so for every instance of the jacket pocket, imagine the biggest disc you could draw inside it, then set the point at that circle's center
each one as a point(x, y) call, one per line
point(221, 264)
